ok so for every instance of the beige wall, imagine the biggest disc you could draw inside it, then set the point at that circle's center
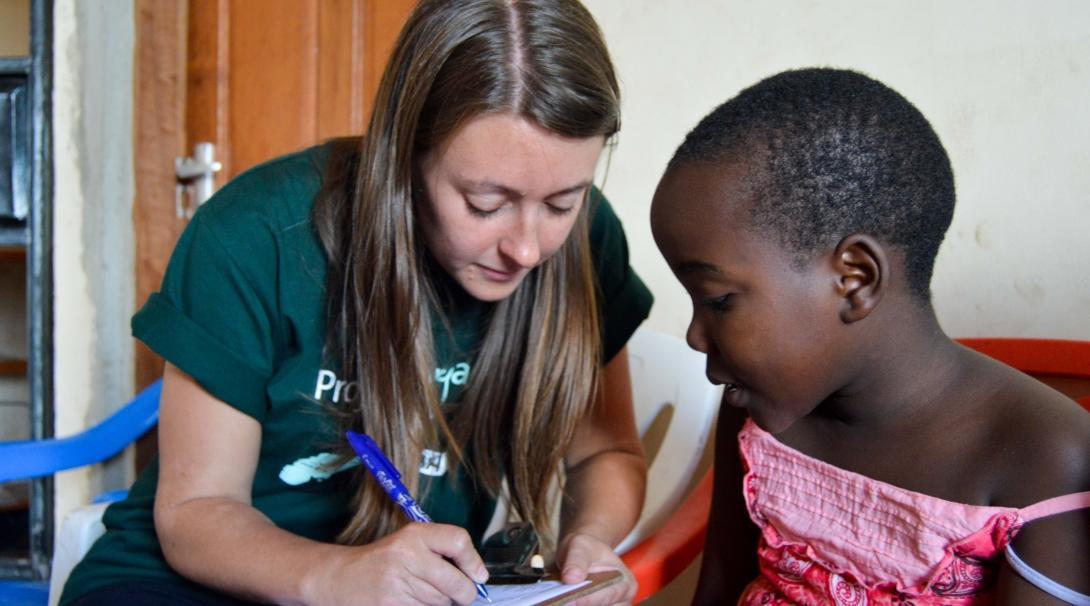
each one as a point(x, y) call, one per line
point(1004, 82)
point(92, 227)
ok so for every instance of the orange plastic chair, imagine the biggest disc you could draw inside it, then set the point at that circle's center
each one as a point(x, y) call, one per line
point(661, 557)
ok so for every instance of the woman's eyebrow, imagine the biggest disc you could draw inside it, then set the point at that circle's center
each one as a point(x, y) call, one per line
point(578, 187)
point(488, 187)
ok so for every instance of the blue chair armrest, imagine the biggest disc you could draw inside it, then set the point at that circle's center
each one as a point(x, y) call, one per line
point(29, 459)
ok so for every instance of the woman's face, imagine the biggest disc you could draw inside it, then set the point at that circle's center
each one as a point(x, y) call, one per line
point(500, 197)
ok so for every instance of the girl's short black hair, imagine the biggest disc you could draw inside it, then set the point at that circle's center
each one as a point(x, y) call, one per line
point(830, 153)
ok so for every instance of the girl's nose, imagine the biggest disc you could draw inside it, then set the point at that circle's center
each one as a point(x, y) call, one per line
point(695, 336)
point(522, 244)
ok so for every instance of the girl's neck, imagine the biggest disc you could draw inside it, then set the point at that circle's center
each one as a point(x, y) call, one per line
point(908, 369)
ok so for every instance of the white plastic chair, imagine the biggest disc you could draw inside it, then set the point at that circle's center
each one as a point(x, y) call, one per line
point(80, 529)
point(669, 384)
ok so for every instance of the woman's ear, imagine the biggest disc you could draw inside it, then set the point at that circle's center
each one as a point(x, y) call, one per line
point(862, 269)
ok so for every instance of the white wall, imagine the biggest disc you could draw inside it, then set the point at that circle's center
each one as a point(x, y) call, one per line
point(1005, 83)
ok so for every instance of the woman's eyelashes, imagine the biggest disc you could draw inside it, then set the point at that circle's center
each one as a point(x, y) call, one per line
point(488, 209)
point(560, 210)
point(483, 206)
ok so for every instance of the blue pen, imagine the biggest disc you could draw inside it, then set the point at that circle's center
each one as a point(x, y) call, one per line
point(389, 478)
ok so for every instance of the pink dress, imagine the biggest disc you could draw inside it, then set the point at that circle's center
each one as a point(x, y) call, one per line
point(838, 538)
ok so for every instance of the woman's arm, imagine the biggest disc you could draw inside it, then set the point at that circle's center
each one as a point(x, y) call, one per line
point(606, 479)
point(210, 532)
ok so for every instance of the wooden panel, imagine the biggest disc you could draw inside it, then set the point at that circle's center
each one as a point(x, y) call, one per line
point(159, 100)
point(206, 93)
point(273, 77)
point(356, 38)
point(340, 68)
point(385, 19)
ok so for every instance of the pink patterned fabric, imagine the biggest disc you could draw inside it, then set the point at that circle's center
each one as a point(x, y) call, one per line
point(834, 537)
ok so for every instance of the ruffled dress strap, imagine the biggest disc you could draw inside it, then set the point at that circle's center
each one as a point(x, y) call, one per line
point(1055, 505)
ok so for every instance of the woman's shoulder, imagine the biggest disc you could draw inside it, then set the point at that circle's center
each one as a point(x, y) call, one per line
point(279, 192)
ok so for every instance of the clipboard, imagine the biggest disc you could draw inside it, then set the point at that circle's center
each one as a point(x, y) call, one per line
point(548, 592)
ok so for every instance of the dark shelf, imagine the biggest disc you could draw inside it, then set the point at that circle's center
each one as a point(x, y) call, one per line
point(10, 254)
point(13, 368)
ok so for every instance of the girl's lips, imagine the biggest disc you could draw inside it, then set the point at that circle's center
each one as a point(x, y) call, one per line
point(732, 394)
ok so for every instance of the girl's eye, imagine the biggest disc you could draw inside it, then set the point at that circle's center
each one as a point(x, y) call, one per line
point(717, 304)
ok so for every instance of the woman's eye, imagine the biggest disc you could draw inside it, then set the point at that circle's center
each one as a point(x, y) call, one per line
point(482, 207)
point(480, 212)
point(717, 304)
point(559, 210)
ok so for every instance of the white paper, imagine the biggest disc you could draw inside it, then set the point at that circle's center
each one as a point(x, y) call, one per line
point(526, 595)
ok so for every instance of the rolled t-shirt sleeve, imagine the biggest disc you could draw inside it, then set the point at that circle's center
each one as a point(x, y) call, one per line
point(214, 317)
point(624, 300)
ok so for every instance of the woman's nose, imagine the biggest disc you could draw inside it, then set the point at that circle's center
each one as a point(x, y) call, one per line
point(522, 244)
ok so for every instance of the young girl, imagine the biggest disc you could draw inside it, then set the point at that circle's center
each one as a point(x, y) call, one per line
point(450, 284)
point(878, 462)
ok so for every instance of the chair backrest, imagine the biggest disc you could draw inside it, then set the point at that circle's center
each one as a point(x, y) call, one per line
point(1063, 364)
point(675, 412)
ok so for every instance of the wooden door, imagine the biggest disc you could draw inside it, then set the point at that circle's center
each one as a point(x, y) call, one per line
point(257, 78)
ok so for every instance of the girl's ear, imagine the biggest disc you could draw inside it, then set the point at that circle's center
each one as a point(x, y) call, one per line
point(862, 269)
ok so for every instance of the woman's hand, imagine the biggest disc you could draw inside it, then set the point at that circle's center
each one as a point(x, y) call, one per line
point(419, 564)
point(603, 494)
point(581, 553)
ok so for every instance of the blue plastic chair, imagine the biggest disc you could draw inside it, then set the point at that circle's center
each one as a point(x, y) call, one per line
point(29, 459)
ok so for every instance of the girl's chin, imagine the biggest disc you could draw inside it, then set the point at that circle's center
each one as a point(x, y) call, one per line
point(773, 423)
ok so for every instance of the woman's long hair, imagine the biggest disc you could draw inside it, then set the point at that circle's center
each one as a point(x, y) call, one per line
point(536, 368)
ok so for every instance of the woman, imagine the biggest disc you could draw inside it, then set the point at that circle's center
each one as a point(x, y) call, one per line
point(452, 285)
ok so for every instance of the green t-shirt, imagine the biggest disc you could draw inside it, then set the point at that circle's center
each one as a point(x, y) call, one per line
point(241, 310)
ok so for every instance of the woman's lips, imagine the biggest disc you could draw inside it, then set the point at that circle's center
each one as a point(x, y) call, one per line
point(497, 275)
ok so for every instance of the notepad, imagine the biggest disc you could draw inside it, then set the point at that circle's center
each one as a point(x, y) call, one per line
point(548, 593)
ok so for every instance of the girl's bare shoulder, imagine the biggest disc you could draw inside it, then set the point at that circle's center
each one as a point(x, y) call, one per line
point(1040, 438)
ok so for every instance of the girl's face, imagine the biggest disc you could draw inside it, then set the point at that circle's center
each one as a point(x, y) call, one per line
point(500, 197)
point(770, 330)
